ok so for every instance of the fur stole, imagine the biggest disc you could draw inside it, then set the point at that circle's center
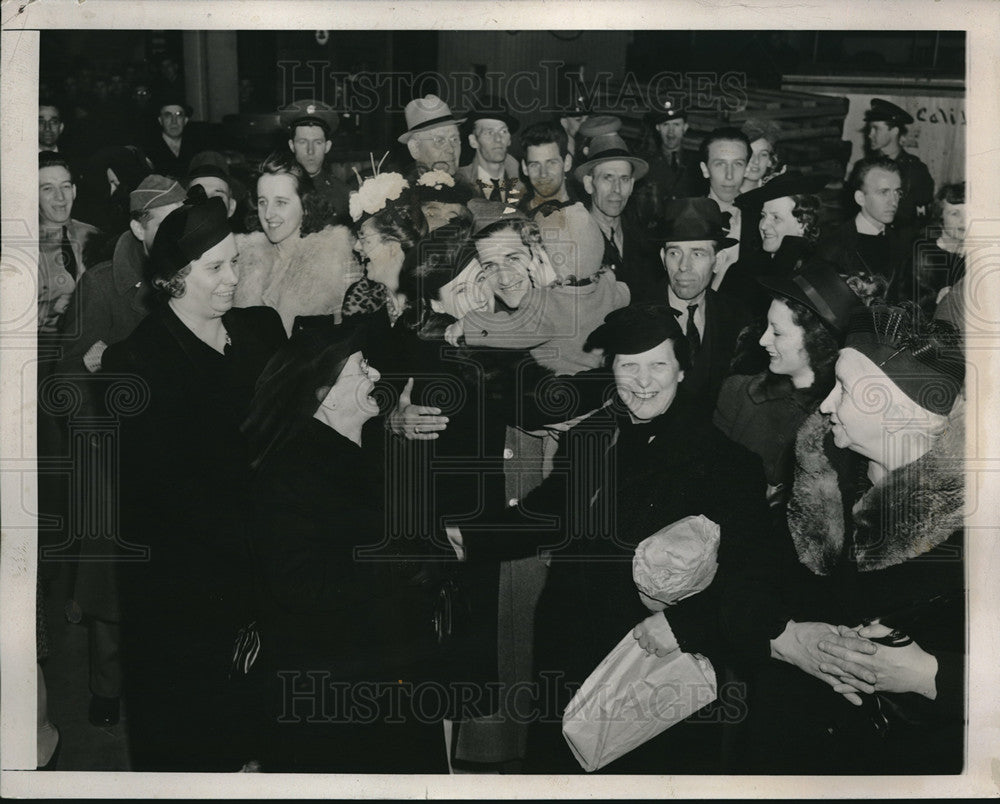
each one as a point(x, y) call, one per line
point(908, 513)
point(309, 277)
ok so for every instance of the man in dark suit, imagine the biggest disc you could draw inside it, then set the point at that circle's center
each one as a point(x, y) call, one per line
point(871, 242)
point(886, 124)
point(170, 150)
point(608, 176)
point(692, 232)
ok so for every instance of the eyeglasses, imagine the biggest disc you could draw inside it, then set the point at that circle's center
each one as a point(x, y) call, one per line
point(440, 142)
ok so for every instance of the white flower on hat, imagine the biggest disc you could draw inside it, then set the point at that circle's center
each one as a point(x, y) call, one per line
point(436, 179)
point(374, 193)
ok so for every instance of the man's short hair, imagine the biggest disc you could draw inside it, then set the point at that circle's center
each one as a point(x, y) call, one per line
point(724, 133)
point(865, 166)
point(542, 134)
point(53, 159)
point(50, 102)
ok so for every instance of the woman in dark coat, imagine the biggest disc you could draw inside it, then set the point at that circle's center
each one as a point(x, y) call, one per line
point(629, 469)
point(806, 323)
point(346, 625)
point(191, 366)
point(860, 649)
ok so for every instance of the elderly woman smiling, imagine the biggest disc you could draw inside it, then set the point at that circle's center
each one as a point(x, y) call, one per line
point(185, 494)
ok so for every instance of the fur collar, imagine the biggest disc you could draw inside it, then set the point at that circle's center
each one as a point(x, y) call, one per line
point(926, 499)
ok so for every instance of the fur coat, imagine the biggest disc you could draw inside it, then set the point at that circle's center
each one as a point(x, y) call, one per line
point(926, 498)
point(300, 276)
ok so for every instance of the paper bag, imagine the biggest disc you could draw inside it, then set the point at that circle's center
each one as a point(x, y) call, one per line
point(630, 698)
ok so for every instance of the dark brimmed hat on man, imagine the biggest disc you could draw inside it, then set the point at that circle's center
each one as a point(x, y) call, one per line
point(310, 112)
point(426, 113)
point(819, 287)
point(608, 147)
point(665, 110)
point(686, 219)
point(892, 114)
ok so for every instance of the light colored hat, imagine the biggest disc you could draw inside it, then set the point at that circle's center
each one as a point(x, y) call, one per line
point(426, 113)
point(155, 191)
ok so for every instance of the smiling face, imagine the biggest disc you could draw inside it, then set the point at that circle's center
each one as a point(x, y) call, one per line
point(879, 195)
point(860, 395)
point(279, 207)
point(469, 291)
point(777, 221)
point(210, 284)
point(647, 382)
point(172, 119)
point(490, 139)
point(610, 186)
point(349, 398)
point(761, 154)
point(56, 193)
point(310, 146)
point(383, 257)
point(726, 167)
point(437, 149)
point(784, 341)
point(546, 169)
point(690, 265)
point(507, 262)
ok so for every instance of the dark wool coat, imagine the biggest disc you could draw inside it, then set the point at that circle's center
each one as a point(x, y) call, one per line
point(896, 554)
point(740, 280)
point(186, 497)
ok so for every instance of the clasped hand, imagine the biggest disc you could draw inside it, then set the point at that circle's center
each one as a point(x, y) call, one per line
point(655, 636)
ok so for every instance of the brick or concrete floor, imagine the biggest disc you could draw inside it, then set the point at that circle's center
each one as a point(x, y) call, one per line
point(83, 747)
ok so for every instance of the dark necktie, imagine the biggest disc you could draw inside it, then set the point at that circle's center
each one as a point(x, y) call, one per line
point(673, 160)
point(694, 339)
point(495, 193)
point(66, 255)
point(613, 246)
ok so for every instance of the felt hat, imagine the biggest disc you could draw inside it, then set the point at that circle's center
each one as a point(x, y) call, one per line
point(608, 147)
point(635, 329)
point(596, 125)
point(788, 183)
point(818, 286)
point(492, 108)
point(155, 191)
point(428, 112)
point(188, 232)
point(686, 219)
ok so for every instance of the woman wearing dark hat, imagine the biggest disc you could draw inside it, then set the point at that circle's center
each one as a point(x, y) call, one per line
point(641, 462)
point(190, 368)
point(806, 323)
point(862, 645)
point(346, 628)
point(787, 213)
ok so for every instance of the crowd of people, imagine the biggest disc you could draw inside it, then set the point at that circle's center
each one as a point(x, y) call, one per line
point(396, 441)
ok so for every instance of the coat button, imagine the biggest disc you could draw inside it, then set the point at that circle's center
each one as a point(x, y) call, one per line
point(512, 502)
point(508, 453)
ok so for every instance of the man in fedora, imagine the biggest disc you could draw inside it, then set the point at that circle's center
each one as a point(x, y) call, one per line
point(691, 233)
point(432, 136)
point(171, 149)
point(311, 124)
point(608, 177)
point(493, 171)
point(673, 172)
point(886, 123)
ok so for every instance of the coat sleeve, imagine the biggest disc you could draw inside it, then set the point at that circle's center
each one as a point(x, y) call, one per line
point(86, 321)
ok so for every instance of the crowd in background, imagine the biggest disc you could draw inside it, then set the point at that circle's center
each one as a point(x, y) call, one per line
point(400, 435)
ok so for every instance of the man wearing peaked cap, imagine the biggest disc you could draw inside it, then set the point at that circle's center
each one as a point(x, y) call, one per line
point(608, 177)
point(673, 172)
point(691, 233)
point(432, 135)
point(492, 171)
point(886, 124)
point(311, 124)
